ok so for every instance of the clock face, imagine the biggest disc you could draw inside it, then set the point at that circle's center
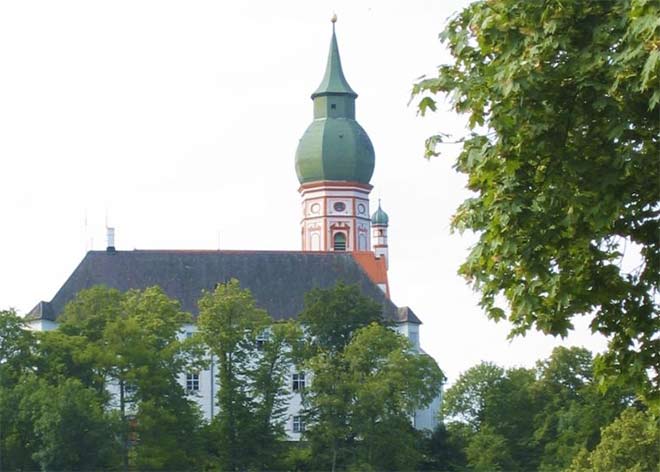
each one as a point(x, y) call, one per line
point(339, 206)
point(315, 208)
point(361, 209)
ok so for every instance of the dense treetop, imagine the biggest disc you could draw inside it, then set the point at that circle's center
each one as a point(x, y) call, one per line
point(563, 101)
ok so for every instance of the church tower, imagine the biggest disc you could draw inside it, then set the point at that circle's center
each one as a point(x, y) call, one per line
point(334, 163)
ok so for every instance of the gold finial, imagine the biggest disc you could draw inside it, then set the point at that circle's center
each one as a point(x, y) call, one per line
point(334, 18)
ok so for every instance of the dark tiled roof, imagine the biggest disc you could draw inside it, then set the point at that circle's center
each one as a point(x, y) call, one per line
point(278, 280)
point(406, 314)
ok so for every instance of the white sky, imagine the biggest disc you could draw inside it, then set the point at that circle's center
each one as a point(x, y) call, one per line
point(180, 121)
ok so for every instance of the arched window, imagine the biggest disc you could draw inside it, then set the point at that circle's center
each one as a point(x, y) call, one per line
point(339, 242)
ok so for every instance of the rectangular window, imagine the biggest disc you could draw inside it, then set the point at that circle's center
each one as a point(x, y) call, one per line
point(298, 424)
point(192, 382)
point(414, 338)
point(298, 382)
point(262, 339)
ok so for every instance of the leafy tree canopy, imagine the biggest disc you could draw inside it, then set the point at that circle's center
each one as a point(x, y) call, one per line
point(631, 442)
point(563, 100)
point(126, 346)
point(253, 358)
point(528, 419)
point(366, 382)
point(332, 316)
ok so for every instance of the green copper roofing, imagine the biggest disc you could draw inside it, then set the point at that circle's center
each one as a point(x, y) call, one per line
point(334, 81)
point(380, 217)
point(334, 147)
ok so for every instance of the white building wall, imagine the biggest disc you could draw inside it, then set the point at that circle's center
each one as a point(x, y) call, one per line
point(42, 325)
point(428, 418)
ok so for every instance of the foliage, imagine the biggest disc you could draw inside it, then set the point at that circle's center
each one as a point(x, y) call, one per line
point(488, 400)
point(50, 421)
point(16, 359)
point(444, 449)
point(572, 409)
point(69, 428)
point(332, 316)
point(563, 101)
point(16, 347)
point(466, 400)
point(489, 451)
point(253, 357)
point(523, 419)
point(366, 382)
point(388, 382)
point(78, 397)
point(631, 442)
point(126, 346)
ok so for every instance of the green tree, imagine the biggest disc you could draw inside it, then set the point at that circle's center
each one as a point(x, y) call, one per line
point(127, 344)
point(365, 383)
point(332, 316)
point(17, 345)
point(444, 449)
point(268, 381)
point(69, 428)
point(466, 400)
point(16, 348)
point(572, 409)
point(253, 356)
point(530, 419)
point(563, 101)
point(489, 451)
point(49, 418)
point(631, 442)
point(145, 346)
point(489, 401)
point(389, 381)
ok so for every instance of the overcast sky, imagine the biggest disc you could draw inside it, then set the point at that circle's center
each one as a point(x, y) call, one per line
point(180, 121)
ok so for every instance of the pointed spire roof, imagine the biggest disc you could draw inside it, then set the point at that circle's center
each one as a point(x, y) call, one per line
point(334, 81)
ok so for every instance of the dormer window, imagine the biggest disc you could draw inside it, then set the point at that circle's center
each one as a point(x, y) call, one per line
point(339, 242)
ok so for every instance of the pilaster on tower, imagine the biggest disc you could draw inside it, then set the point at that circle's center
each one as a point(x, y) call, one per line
point(334, 163)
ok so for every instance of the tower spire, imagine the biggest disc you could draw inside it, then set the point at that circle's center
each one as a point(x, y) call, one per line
point(334, 82)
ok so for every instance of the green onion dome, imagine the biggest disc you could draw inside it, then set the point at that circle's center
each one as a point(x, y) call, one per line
point(380, 217)
point(335, 149)
point(334, 146)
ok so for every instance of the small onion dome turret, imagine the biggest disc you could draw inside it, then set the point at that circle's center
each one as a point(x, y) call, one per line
point(334, 147)
point(380, 218)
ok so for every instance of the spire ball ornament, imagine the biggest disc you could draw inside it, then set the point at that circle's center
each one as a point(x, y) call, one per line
point(334, 18)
